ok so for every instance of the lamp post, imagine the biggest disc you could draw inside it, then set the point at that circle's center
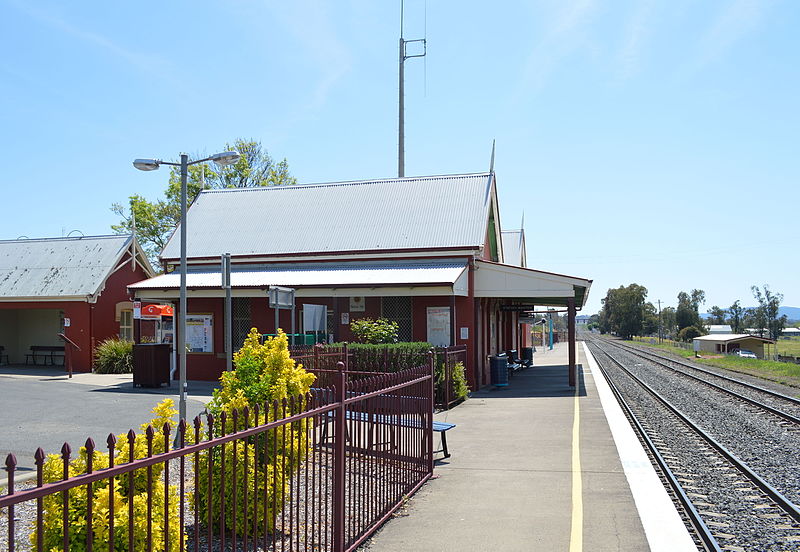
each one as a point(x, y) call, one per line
point(223, 158)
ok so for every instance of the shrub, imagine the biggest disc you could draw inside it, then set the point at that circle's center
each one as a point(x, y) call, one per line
point(264, 373)
point(391, 357)
point(114, 356)
point(689, 333)
point(459, 378)
point(367, 330)
point(120, 495)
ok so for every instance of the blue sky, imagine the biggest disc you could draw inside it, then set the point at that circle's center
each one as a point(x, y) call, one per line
point(647, 141)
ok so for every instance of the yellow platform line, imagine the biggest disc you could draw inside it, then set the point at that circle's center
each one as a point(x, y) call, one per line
point(576, 535)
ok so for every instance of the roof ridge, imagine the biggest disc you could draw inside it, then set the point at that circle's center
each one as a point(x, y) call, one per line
point(345, 183)
point(66, 238)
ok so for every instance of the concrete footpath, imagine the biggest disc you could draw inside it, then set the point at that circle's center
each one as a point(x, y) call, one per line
point(523, 476)
point(42, 407)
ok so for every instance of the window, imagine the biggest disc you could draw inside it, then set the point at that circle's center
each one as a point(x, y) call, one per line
point(126, 325)
point(241, 321)
point(398, 309)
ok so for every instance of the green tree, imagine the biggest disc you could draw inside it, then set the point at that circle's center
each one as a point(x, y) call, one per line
point(668, 323)
point(736, 312)
point(717, 315)
point(688, 311)
point(624, 310)
point(767, 318)
point(156, 220)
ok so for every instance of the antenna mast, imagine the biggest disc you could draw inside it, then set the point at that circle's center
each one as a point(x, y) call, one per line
point(401, 154)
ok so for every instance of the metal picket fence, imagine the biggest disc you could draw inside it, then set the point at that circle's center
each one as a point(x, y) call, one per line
point(317, 472)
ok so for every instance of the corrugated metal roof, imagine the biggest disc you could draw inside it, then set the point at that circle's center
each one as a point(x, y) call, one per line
point(730, 337)
point(57, 267)
point(512, 247)
point(327, 275)
point(400, 213)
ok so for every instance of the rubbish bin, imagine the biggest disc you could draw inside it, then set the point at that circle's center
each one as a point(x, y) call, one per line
point(527, 356)
point(499, 370)
point(151, 364)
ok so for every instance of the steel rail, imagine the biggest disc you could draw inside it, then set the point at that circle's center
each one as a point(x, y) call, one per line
point(782, 414)
point(787, 505)
point(696, 520)
point(764, 390)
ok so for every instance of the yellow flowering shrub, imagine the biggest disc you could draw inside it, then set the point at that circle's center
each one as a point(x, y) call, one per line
point(264, 373)
point(53, 470)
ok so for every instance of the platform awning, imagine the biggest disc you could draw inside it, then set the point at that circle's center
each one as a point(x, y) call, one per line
point(439, 277)
point(528, 287)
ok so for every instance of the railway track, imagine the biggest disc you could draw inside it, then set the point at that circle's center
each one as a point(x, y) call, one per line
point(781, 405)
point(727, 502)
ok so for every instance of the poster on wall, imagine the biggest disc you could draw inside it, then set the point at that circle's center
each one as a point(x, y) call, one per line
point(200, 333)
point(439, 326)
point(357, 304)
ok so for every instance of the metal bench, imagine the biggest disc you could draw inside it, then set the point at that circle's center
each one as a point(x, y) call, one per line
point(46, 353)
point(392, 420)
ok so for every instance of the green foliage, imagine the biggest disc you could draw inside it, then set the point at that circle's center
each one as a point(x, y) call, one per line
point(737, 317)
point(155, 220)
point(367, 330)
point(459, 377)
point(264, 373)
point(114, 356)
point(690, 332)
point(103, 496)
point(393, 356)
point(624, 311)
point(766, 314)
point(688, 311)
point(717, 315)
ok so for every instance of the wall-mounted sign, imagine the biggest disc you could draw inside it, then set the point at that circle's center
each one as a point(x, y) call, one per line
point(358, 304)
point(200, 333)
point(439, 326)
point(517, 308)
point(345, 318)
point(137, 310)
point(66, 322)
point(464, 333)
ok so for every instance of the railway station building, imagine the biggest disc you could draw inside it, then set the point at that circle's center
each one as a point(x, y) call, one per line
point(426, 252)
point(73, 286)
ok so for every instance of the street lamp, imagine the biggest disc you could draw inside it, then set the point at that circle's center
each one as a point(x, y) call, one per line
point(223, 158)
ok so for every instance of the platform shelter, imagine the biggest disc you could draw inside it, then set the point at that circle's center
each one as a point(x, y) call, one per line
point(425, 252)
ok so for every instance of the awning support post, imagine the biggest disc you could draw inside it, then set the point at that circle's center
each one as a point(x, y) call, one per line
point(571, 331)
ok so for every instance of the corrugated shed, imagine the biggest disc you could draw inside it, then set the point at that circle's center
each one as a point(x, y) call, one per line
point(405, 213)
point(366, 274)
point(58, 267)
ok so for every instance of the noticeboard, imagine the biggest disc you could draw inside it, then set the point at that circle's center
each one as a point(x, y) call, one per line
point(200, 333)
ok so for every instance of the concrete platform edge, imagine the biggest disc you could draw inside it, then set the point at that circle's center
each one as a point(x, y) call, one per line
point(662, 524)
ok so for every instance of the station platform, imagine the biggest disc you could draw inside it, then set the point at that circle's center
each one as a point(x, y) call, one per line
point(540, 466)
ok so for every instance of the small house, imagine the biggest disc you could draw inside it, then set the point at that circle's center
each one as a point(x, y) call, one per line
point(730, 343)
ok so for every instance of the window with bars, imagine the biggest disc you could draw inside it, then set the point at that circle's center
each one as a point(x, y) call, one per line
point(241, 321)
point(398, 309)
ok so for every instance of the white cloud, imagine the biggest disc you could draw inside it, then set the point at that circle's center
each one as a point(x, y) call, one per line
point(636, 33)
point(731, 25)
point(563, 37)
point(149, 63)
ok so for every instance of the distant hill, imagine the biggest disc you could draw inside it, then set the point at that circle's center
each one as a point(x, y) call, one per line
point(792, 313)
